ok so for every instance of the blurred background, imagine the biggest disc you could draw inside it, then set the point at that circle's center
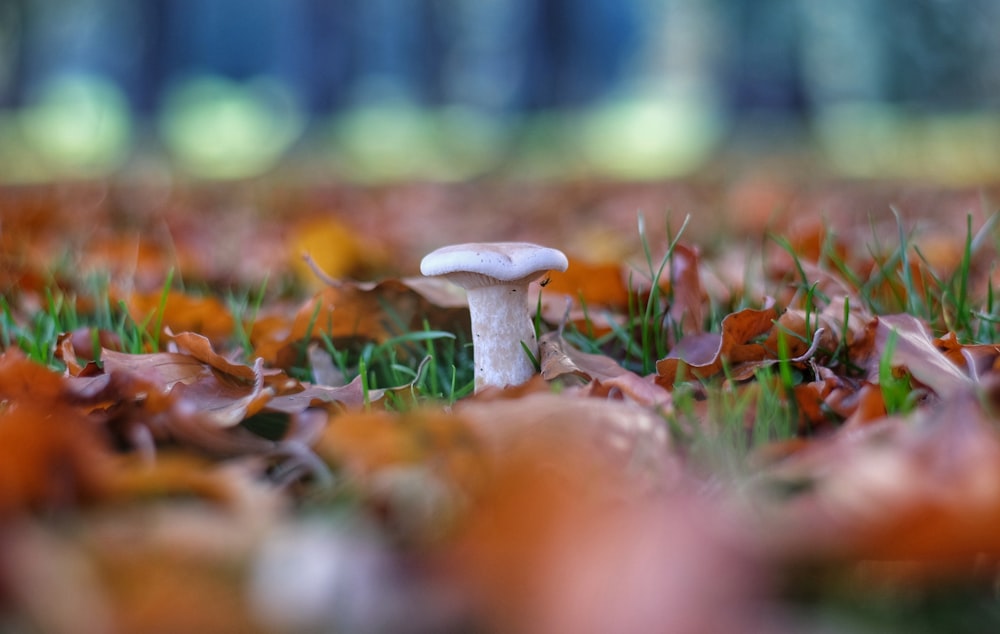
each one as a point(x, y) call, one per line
point(383, 90)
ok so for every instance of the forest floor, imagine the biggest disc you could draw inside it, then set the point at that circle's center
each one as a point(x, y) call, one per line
point(761, 405)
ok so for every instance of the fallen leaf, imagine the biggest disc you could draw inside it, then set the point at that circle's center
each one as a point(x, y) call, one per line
point(923, 489)
point(704, 354)
point(976, 360)
point(558, 358)
point(799, 331)
point(350, 395)
point(80, 344)
point(225, 392)
point(181, 311)
point(161, 370)
point(223, 399)
point(915, 350)
point(596, 285)
point(627, 436)
point(50, 455)
point(685, 288)
point(562, 506)
point(869, 406)
point(364, 312)
point(200, 348)
point(337, 250)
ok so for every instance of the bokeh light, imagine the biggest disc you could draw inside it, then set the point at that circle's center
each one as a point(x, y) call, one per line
point(380, 91)
point(79, 125)
point(217, 128)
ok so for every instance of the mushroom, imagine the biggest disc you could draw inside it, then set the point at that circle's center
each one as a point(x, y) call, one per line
point(495, 276)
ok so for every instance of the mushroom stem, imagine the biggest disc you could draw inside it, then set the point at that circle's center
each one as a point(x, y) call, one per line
point(500, 322)
point(496, 277)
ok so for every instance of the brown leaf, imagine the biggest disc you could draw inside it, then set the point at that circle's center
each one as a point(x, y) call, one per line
point(200, 348)
point(350, 395)
point(367, 312)
point(50, 456)
point(704, 354)
point(799, 334)
point(180, 312)
point(558, 358)
point(297, 397)
point(629, 437)
point(221, 391)
point(976, 359)
point(562, 505)
point(915, 350)
point(139, 409)
point(72, 346)
point(223, 399)
point(66, 352)
point(687, 308)
point(600, 285)
point(161, 370)
point(925, 489)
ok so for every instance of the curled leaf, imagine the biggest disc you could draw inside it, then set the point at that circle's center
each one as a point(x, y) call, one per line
point(704, 354)
point(687, 307)
point(50, 456)
point(915, 350)
point(558, 358)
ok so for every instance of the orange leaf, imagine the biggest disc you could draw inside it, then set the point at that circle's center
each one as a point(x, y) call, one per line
point(200, 348)
point(369, 312)
point(224, 394)
point(915, 350)
point(799, 334)
point(598, 285)
point(49, 454)
point(333, 247)
point(977, 359)
point(705, 353)
point(870, 406)
point(687, 308)
point(181, 311)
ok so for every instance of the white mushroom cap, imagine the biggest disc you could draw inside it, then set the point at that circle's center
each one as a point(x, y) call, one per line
point(484, 263)
point(496, 277)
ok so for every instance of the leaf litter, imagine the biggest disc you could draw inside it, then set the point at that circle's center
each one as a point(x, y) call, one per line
point(187, 453)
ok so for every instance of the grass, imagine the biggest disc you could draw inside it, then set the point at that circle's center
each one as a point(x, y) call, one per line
point(736, 419)
point(437, 365)
point(718, 423)
point(37, 334)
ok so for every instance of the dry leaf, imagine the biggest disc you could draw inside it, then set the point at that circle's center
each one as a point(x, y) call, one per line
point(562, 517)
point(366, 312)
point(684, 277)
point(180, 311)
point(50, 455)
point(923, 490)
point(558, 358)
point(600, 285)
point(704, 354)
point(915, 350)
point(976, 360)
